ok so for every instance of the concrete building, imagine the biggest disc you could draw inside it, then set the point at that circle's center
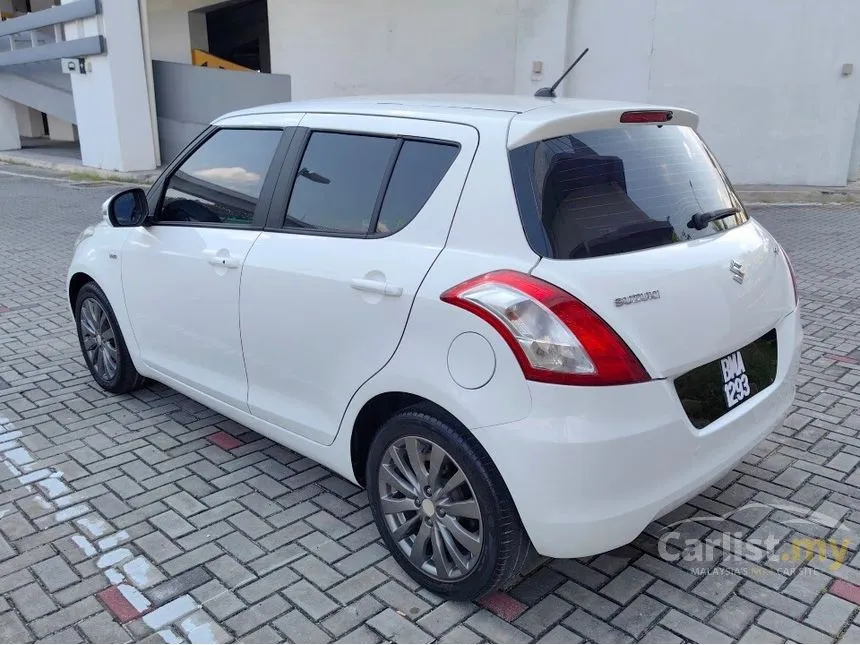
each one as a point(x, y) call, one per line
point(773, 80)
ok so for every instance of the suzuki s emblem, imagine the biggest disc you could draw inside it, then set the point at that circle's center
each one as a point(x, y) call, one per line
point(737, 271)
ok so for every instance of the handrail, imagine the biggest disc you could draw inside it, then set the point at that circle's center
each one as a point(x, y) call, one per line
point(89, 46)
point(47, 17)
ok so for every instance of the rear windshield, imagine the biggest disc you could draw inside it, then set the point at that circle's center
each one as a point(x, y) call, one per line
point(623, 189)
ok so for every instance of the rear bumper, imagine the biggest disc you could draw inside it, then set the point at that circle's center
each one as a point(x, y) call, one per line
point(590, 468)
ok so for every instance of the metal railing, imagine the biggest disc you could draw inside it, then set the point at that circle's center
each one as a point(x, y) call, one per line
point(38, 36)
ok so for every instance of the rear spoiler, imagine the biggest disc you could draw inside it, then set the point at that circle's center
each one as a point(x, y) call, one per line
point(557, 119)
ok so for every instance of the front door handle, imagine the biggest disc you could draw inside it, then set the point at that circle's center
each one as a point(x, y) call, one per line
point(375, 286)
point(227, 263)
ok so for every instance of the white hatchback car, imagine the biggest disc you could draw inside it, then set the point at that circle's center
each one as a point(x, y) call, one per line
point(514, 320)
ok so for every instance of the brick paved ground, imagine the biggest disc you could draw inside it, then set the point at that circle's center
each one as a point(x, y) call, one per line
point(151, 518)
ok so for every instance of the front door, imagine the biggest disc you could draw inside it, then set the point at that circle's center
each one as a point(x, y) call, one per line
point(181, 273)
point(363, 210)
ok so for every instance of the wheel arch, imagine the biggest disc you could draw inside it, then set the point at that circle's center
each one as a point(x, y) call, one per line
point(76, 283)
point(374, 413)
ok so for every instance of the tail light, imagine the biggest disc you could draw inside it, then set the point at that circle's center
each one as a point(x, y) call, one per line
point(555, 337)
point(793, 275)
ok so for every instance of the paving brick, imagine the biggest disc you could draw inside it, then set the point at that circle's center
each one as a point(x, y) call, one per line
point(358, 585)
point(639, 615)
point(68, 635)
point(310, 599)
point(627, 584)
point(361, 634)
point(102, 628)
point(12, 630)
point(790, 629)
point(394, 595)
point(184, 504)
point(692, 629)
point(557, 634)
point(32, 602)
point(172, 524)
point(240, 547)
point(229, 571)
point(445, 616)
point(659, 635)
point(191, 559)
point(218, 600)
point(261, 613)
point(55, 573)
point(349, 617)
point(548, 611)
point(830, 614)
point(299, 629)
point(773, 600)
point(581, 597)
point(397, 629)
point(64, 617)
point(158, 547)
point(735, 616)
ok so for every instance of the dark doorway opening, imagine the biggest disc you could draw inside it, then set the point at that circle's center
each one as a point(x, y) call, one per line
point(239, 33)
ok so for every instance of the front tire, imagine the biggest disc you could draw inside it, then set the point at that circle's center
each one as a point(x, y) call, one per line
point(442, 507)
point(102, 343)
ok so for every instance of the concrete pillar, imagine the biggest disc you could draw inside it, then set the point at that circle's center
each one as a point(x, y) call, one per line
point(10, 138)
point(542, 38)
point(59, 130)
point(29, 121)
point(112, 102)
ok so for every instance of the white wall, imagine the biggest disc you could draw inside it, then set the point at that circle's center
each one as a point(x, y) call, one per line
point(765, 76)
point(169, 28)
point(112, 103)
point(29, 121)
point(340, 48)
point(59, 130)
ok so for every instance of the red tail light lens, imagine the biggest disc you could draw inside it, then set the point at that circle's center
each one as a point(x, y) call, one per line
point(646, 116)
point(554, 336)
point(793, 275)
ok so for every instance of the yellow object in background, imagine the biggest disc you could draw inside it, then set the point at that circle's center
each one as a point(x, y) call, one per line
point(205, 59)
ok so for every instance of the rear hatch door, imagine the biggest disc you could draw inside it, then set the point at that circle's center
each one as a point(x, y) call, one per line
point(623, 225)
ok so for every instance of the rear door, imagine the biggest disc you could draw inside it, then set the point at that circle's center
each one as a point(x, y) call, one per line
point(616, 210)
point(363, 209)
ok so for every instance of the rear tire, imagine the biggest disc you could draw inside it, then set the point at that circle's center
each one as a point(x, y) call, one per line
point(102, 343)
point(448, 519)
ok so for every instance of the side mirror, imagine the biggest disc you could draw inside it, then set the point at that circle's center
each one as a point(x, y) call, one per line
point(127, 208)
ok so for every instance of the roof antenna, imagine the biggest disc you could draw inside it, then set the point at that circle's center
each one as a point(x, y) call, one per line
point(549, 92)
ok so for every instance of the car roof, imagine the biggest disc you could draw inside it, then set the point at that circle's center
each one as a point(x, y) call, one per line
point(458, 106)
point(525, 119)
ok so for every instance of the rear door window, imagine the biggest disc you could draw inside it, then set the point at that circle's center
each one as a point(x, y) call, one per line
point(619, 190)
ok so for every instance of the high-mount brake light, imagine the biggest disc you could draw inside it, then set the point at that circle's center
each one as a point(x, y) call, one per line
point(646, 116)
point(555, 337)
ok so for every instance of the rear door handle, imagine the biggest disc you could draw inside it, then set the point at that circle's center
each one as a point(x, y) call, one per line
point(375, 286)
point(228, 263)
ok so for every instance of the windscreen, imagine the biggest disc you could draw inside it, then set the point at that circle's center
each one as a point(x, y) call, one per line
point(619, 190)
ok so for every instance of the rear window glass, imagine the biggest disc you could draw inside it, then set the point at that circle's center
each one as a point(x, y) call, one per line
point(623, 189)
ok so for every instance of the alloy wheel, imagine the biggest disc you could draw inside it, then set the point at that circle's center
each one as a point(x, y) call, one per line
point(430, 508)
point(99, 339)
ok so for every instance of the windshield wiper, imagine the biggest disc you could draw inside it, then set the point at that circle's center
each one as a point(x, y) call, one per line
point(700, 221)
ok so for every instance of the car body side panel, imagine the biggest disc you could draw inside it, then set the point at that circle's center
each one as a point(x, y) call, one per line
point(98, 256)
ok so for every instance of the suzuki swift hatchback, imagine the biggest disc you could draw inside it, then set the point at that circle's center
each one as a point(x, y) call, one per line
point(513, 320)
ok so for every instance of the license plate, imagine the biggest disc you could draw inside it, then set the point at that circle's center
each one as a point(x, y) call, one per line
point(736, 383)
point(711, 390)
